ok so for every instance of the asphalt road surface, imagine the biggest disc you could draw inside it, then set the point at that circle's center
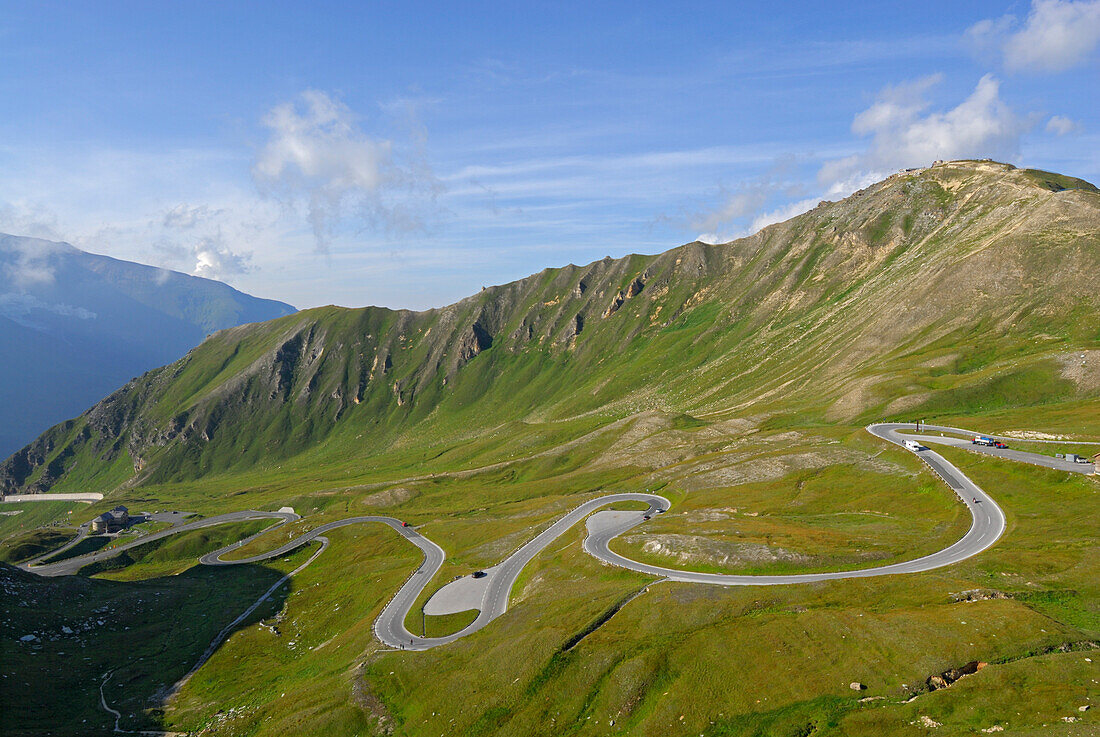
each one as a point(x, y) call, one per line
point(1036, 459)
point(72, 565)
point(987, 526)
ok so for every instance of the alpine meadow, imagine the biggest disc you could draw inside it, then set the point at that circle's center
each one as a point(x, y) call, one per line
point(734, 380)
point(550, 370)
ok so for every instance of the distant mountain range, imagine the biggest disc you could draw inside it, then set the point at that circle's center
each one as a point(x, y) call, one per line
point(76, 326)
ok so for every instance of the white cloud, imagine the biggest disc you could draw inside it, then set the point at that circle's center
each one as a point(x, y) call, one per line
point(903, 133)
point(319, 159)
point(986, 37)
point(739, 205)
point(1057, 35)
point(214, 260)
point(28, 219)
point(786, 212)
point(185, 216)
point(19, 306)
point(1061, 125)
point(27, 262)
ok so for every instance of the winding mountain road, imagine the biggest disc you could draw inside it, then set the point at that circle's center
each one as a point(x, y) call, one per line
point(491, 591)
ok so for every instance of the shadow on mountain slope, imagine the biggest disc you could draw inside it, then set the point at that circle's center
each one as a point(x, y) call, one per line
point(146, 634)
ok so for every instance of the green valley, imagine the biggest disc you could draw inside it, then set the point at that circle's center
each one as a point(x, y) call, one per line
point(733, 380)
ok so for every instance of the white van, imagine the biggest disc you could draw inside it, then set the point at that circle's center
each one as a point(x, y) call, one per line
point(913, 445)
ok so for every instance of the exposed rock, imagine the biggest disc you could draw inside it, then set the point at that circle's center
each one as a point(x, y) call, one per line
point(695, 549)
point(476, 340)
point(615, 304)
point(945, 679)
point(389, 497)
point(979, 595)
point(576, 325)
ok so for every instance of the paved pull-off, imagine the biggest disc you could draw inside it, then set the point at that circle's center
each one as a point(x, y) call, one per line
point(490, 593)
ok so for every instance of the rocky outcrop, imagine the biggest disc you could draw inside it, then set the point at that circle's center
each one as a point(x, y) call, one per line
point(949, 676)
point(476, 340)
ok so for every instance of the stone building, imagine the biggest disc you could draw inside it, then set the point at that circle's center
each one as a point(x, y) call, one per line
point(113, 521)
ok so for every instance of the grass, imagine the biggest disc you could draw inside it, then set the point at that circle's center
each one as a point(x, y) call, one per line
point(441, 625)
point(147, 633)
point(643, 666)
point(22, 517)
point(850, 515)
point(171, 555)
point(735, 384)
point(31, 544)
point(89, 544)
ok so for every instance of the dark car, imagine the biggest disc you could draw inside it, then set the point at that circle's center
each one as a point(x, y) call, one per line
point(479, 574)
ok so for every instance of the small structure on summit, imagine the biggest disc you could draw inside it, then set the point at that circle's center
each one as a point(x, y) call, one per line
point(113, 521)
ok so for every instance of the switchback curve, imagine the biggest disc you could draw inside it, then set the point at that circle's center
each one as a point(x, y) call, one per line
point(988, 524)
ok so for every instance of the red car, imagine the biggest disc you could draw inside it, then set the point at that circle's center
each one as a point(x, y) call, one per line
point(404, 524)
point(999, 444)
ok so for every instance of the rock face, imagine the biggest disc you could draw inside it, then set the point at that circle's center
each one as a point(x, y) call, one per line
point(945, 679)
point(476, 340)
point(812, 308)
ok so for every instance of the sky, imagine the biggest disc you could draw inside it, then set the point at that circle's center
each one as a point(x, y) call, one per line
point(407, 154)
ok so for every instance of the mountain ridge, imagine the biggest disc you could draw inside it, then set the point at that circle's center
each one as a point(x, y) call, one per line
point(829, 310)
point(74, 326)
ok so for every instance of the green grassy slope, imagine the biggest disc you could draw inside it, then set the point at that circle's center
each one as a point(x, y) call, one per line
point(960, 288)
point(733, 379)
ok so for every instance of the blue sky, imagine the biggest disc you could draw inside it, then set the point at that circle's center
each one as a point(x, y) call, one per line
point(406, 154)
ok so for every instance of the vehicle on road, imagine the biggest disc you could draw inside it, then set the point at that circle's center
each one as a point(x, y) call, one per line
point(983, 440)
point(661, 510)
point(999, 444)
point(647, 517)
point(404, 524)
point(913, 445)
point(479, 574)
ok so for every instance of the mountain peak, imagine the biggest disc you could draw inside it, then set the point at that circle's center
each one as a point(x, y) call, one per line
point(931, 274)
